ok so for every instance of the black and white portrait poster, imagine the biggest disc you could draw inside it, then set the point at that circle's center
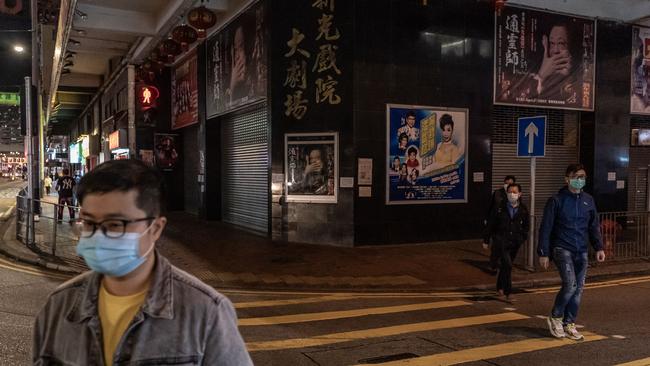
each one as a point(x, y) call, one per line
point(311, 167)
point(640, 88)
point(544, 59)
point(237, 63)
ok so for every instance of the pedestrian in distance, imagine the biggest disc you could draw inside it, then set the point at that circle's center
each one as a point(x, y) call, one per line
point(569, 224)
point(498, 197)
point(134, 306)
point(508, 226)
point(65, 186)
point(47, 183)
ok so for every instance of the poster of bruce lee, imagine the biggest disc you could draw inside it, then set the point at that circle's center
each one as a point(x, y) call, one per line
point(544, 59)
point(426, 154)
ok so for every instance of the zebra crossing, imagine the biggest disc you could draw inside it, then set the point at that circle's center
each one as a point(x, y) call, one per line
point(394, 330)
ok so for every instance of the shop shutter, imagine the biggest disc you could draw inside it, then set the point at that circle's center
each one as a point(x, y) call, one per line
point(561, 150)
point(245, 169)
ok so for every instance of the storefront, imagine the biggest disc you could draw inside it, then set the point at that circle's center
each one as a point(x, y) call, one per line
point(118, 145)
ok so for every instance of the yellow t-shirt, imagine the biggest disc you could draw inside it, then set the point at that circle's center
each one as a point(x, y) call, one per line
point(115, 314)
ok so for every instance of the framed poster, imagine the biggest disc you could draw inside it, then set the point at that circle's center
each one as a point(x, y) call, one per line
point(426, 154)
point(311, 167)
point(364, 169)
point(544, 59)
point(165, 151)
point(185, 93)
point(640, 88)
point(237, 63)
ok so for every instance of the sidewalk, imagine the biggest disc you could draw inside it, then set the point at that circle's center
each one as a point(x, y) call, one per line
point(228, 258)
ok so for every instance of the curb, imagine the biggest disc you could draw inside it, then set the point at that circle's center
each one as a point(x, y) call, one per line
point(8, 213)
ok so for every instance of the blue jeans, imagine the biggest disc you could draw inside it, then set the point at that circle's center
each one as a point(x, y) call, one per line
point(573, 270)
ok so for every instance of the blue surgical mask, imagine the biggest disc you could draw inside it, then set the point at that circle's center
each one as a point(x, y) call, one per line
point(577, 183)
point(115, 257)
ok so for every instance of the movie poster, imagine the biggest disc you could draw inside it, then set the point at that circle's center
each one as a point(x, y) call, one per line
point(166, 151)
point(311, 167)
point(640, 88)
point(185, 93)
point(544, 59)
point(237, 63)
point(426, 158)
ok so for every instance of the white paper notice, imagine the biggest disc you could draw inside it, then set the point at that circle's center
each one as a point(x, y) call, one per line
point(620, 184)
point(479, 177)
point(611, 176)
point(365, 191)
point(347, 182)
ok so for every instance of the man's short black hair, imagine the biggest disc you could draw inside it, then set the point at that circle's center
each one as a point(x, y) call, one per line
point(446, 120)
point(514, 185)
point(123, 176)
point(510, 177)
point(66, 171)
point(412, 150)
point(410, 114)
point(403, 136)
point(573, 168)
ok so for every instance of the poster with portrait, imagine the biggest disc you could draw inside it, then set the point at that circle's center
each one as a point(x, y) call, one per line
point(640, 88)
point(147, 157)
point(426, 154)
point(544, 59)
point(185, 93)
point(237, 63)
point(311, 167)
point(166, 150)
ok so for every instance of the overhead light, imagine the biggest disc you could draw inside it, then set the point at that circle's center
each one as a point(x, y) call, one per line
point(80, 32)
point(74, 41)
point(18, 48)
point(65, 71)
point(68, 64)
point(80, 14)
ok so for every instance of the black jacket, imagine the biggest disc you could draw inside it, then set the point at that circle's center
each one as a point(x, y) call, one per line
point(505, 230)
point(499, 197)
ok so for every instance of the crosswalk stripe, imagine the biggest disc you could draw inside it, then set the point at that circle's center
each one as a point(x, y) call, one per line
point(305, 300)
point(382, 332)
point(329, 315)
point(490, 352)
point(643, 362)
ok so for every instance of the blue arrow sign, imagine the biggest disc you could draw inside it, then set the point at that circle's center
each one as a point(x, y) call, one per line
point(531, 136)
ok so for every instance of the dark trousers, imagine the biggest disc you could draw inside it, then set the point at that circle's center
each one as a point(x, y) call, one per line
point(507, 253)
point(494, 256)
point(65, 201)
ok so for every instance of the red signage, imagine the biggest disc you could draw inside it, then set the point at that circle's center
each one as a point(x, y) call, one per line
point(148, 96)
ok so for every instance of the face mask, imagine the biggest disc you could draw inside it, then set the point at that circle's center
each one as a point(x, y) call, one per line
point(115, 257)
point(513, 198)
point(577, 183)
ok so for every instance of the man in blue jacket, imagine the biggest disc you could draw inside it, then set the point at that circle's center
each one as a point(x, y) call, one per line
point(570, 221)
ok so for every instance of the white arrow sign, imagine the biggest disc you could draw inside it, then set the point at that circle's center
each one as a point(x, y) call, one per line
point(531, 131)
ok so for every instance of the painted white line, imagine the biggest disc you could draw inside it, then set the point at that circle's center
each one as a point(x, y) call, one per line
point(618, 336)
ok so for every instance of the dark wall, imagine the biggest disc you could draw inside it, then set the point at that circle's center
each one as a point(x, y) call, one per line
point(612, 114)
point(313, 222)
point(400, 58)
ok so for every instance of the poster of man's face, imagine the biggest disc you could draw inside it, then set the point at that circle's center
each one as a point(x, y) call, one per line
point(185, 95)
point(640, 72)
point(237, 63)
point(544, 59)
point(311, 169)
point(165, 151)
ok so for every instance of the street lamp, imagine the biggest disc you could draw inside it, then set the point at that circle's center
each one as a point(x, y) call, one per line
point(18, 48)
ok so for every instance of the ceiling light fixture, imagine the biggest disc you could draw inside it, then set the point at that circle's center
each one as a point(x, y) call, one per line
point(74, 41)
point(80, 14)
point(18, 48)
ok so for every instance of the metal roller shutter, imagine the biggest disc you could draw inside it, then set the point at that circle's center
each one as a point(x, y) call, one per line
point(245, 169)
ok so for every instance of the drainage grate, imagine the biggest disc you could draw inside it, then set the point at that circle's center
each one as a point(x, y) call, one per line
point(382, 359)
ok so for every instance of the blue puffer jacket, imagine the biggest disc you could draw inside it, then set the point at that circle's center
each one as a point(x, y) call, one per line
point(570, 222)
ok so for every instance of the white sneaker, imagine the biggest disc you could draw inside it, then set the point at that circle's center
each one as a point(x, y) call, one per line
point(556, 327)
point(572, 333)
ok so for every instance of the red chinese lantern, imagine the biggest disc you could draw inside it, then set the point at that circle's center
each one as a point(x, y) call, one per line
point(169, 49)
point(499, 4)
point(201, 19)
point(185, 35)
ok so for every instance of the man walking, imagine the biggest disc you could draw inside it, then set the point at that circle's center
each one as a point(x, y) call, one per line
point(570, 222)
point(134, 307)
point(65, 185)
point(499, 197)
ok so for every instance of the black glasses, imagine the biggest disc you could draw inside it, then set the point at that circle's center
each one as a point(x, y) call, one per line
point(112, 228)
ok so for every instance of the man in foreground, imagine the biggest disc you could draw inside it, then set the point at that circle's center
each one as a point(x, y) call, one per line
point(570, 222)
point(134, 306)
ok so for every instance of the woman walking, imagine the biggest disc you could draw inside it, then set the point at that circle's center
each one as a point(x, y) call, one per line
point(508, 226)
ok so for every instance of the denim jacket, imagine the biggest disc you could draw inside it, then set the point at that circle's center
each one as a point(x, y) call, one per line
point(182, 322)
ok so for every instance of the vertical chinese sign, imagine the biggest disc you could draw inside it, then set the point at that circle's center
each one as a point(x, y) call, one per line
point(640, 88)
point(312, 72)
point(544, 59)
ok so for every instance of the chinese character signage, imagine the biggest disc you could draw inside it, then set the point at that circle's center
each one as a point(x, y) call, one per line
point(311, 167)
point(640, 93)
point(185, 93)
point(237, 63)
point(544, 59)
point(426, 154)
